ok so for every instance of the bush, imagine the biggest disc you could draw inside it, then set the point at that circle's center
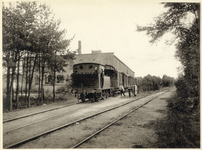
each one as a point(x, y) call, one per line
point(61, 89)
point(34, 90)
point(178, 129)
point(182, 88)
point(46, 91)
point(48, 96)
point(60, 97)
point(65, 88)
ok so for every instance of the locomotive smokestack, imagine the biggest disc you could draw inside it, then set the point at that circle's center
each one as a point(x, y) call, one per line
point(79, 47)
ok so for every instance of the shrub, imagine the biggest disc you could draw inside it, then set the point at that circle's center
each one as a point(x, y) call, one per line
point(182, 88)
point(61, 89)
point(34, 90)
point(48, 96)
point(46, 91)
point(60, 97)
point(178, 129)
point(65, 88)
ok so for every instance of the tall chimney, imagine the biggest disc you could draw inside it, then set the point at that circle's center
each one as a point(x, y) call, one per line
point(79, 47)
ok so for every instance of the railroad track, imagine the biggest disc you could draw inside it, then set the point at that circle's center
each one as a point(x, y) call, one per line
point(32, 114)
point(40, 120)
point(71, 123)
point(110, 124)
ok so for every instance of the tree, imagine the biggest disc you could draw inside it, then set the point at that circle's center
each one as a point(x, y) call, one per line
point(187, 34)
point(167, 81)
point(30, 33)
point(12, 46)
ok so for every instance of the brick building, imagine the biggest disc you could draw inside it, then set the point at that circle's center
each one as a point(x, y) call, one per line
point(107, 59)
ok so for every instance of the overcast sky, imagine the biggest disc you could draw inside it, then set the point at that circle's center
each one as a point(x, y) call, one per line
point(110, 26)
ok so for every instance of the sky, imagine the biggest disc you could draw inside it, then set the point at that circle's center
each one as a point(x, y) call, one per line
point(110, 26)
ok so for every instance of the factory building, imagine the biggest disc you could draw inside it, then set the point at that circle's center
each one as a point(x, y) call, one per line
point(96, 56)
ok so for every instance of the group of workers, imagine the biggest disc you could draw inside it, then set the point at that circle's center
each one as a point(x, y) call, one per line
point(131, 89)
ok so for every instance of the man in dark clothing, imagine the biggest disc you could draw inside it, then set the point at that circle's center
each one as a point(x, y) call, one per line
point(121, 88)
point(129, 90)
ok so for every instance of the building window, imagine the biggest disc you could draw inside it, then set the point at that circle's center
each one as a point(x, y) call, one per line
point(49, 78)
point(60, 79)
point(105, 61)
point(81, 60)
point(46, 79)
point(36, 80)
point(65, 64)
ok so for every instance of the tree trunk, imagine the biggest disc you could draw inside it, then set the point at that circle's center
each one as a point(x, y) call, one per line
point(26, 79)
point(23, 70)
point(17, 86)
point(42, 89)
point(31, 78)
point(8, 89)
point(54, 82)
point(39, 90)
point(54, 86)
point(11, 89)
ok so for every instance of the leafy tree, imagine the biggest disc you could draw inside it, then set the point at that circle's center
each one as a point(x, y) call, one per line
point(183, 21)
point(31, 34)
point(149, 83)
point(167, 81)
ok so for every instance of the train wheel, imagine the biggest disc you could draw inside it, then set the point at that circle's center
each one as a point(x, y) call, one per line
point(98, 96)
point(106, 94)
point(103, 95)
point(82, 97)
point(94, 97)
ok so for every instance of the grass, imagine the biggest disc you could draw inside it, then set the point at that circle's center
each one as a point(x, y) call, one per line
point(178, 129)
point(34, 102)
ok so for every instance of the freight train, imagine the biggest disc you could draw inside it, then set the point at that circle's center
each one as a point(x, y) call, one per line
point(95, 81)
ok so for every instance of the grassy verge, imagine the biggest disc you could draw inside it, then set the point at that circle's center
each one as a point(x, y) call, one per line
point(34, 102)
point(179, 129)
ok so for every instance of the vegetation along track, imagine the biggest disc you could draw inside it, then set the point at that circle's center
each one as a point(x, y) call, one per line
point(73, 122)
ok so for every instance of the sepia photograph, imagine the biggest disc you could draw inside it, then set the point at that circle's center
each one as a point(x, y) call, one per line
point(100, 74)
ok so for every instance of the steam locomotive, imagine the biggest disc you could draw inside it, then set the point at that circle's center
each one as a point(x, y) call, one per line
point(95, 81)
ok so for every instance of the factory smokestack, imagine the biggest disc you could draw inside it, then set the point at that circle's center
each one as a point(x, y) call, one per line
point(79, 47)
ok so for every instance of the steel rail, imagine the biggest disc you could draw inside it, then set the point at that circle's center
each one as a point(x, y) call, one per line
point(33, 123)
point(107, 126)
point(32, 114)
point(68, 124)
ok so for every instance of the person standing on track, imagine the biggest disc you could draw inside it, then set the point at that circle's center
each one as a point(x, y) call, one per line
point(129, 90)
point(135, 90)
point(121, 88)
